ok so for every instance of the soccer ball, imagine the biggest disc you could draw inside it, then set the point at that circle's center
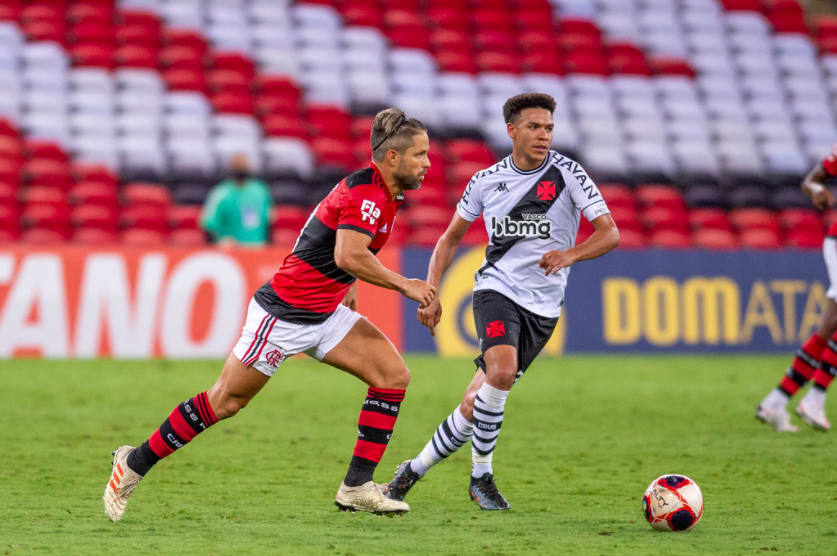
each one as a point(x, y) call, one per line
point(672, 503)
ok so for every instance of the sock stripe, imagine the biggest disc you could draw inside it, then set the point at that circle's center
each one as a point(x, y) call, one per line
point(372, 451)
point(455, 439)
point(444, 442)
point(181, 427)
point(380, 420)
point(160, 448)
point(207, 415)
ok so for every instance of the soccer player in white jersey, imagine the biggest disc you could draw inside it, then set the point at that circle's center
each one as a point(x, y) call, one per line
point(816, 359)
point(532, 201)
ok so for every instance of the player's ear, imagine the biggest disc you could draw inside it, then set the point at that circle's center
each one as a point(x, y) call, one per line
point(510, 129)
point(392, 157)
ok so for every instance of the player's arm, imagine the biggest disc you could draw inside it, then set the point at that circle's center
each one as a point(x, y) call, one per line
point(352, 254)
point(440, 261)
point(604, 238)
point(813, 187)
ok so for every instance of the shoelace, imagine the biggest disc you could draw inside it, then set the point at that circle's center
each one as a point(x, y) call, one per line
point(489, 488)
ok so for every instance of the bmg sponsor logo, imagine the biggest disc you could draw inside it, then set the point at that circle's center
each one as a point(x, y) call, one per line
point(532, 225)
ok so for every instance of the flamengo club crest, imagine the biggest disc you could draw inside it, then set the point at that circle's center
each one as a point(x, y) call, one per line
point(546, 190)
point(274, 357)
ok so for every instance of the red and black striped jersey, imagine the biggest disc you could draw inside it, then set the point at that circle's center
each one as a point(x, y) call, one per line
point(309, 285)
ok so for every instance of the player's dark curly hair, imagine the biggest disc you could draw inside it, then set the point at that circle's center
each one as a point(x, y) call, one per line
point(518, 103)
point(392, 129)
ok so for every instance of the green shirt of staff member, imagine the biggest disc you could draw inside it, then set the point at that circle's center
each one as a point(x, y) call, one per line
point(237, 210)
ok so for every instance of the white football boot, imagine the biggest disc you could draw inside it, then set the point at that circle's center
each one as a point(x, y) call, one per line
point(813, 414)
point(123, 481)
point(368, 497)
point(777, 417)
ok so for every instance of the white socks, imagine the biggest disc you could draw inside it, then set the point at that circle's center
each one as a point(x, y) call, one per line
point(488, 418)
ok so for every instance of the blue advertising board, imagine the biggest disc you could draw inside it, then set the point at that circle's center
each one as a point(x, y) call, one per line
point(652, 301)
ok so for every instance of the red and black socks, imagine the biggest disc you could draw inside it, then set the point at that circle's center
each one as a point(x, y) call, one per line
point(375, 425)
point(185, 422)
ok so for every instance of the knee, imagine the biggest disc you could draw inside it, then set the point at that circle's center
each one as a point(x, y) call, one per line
point(224, 404)
point(466, 408)
point(501, 375)
point(397, 377)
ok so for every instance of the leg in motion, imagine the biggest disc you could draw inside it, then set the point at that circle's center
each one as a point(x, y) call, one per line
point(501, 365)
point(234, 389)
point(449, 436)
point(367, 354)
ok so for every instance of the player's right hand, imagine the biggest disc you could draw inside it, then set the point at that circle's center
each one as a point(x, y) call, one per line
point(421, 291)
point(823, 199)
point(430, 315)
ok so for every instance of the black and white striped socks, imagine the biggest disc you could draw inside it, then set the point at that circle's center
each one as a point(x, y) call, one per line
point(450, 435)
point(488, 418)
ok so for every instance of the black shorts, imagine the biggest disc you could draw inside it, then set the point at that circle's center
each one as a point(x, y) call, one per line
point(501, 321)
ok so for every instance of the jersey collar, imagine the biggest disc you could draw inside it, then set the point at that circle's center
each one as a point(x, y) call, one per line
point(378, 180)
point(534, 170)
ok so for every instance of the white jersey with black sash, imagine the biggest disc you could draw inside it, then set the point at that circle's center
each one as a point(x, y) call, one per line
point(528, 213)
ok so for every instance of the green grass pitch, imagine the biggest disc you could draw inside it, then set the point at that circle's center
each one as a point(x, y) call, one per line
point(582, 438)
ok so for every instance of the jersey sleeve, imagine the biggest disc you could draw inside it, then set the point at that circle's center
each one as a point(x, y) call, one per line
point(586, 195)
point(829, 164)
point(360, 208)
point(470, 205)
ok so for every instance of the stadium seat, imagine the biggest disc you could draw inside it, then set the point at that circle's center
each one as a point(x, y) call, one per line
point(708, 238)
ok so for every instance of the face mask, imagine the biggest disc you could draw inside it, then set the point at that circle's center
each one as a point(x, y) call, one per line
point(240, 175)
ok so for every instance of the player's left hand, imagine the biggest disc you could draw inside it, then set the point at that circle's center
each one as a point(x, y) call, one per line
point(350, 300)
point(553, 261)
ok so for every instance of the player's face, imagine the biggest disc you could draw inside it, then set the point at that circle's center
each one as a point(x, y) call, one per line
point(413, 164)
point(531, 133)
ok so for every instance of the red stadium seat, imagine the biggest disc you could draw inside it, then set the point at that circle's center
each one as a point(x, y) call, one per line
point(476, 234)
point(409, 36)
point(760, 238)
point(794, 220)
point(92, 193)
point(626, 219)
point(331, 152)
point(586, 63)
point(10, 172)
point(47, 172)
point(448, 19)
point(537, 61)
point(53, 217)
point(363, 16)
point(234, 62)
point(499, 61)
point(185, 80)
point(46, 150)
point(664, 218)
point(618, 195)
point(95, 173)
point(92, 31)
point(143, 237)
point(715, 239)
point(283, 237)
point(184, 217)
point(632, 239)
point(43, 236)
point(537, 39)
point(290, 217)
point(92, 55)
point(9, 216)
point(146, 194)
point(285, 126)
point(188, 237)
point(94, 236)
point(184, 38)
point(659, 195)
point(233, 103)
point(136, 56)
point(181, 57)
point(671, 66)
point(670, 239)
point(43, 194)
point(805, 238)
point(138, 35)
point(95, 216)
point(491, 18)
point(469, 150)
point(709, 218)
point(754, 219)
point(456, 61)
point(145, 217)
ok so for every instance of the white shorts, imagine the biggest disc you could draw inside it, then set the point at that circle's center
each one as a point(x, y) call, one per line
point(829, 253)
point(266, 340)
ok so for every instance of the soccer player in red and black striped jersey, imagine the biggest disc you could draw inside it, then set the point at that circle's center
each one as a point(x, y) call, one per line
point(309, 306)
point(817, 358)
